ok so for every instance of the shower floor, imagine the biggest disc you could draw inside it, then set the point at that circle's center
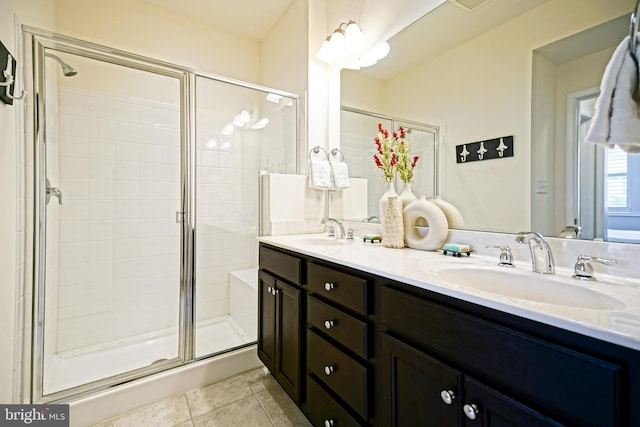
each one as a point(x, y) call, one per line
point(78, 367)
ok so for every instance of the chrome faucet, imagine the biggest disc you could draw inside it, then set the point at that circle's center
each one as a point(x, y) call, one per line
point(541, 256)
point(337, 227)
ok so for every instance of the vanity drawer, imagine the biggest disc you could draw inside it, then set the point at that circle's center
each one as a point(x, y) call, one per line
point(344, 328)
point(342, 374)
point(582, 387)
point(342, 288)
point(323, 410)
point(280, 264)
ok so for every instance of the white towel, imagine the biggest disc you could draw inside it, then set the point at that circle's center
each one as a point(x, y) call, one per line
point(320, 174)
point(616, 120)
point(340, 175)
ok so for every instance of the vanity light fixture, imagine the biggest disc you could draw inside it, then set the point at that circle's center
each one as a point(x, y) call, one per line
point(372, 57)
point(348, 37)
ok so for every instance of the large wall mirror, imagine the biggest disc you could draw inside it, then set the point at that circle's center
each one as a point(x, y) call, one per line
point(520, 68)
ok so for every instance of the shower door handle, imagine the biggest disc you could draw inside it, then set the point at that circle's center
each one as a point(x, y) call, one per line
point(53, 192)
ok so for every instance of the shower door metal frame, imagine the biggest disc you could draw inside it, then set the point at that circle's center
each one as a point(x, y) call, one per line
point(38, 40)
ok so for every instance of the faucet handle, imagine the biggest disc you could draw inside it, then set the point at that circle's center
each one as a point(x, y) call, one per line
point(506, 256)
point(583, 268)
point(332, 231)
point(351, 233)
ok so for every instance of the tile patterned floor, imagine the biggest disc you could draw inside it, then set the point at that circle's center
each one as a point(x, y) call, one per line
point(250, 399)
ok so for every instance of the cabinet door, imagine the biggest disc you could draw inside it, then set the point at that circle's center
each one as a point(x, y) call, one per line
point(485, 407)
point(418, 390)
point(267, 320)
point(288, 321)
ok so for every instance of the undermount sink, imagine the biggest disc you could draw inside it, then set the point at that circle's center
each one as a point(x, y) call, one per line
point(320, 241)
point(527, 285)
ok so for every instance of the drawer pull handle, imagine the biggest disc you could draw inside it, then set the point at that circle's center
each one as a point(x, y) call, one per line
point(328, 423)
point(447, 396)
point(328, 286)
point(328, 370)
point(328, 324)
point(471, 411)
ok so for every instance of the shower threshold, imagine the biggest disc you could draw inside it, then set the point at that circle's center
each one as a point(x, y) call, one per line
point(78, 367)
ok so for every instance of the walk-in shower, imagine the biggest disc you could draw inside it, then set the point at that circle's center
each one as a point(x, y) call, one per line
point(146, 203)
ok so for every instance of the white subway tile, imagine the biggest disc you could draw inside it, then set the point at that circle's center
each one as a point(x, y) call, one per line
point(71, 210)
point(150, 190)
point(149, 134)
point(101, 230)
point(102, 250)
point(102, 128)
point(74, 168)
point(126, 190)
point(127, 111)
point(74, 189)
point(101, 210)
point(101, 169)
point(170, 137)
point(150, 153)
point(127, 248)
point(127, 229)
point(150, 209)
point(171, 155)
point(150, 114)
point(74, 146)
point(127, 171)
point(74, 231)
point(126, 132)
point(73, 274)
point(127, 209)
point(101, 149)
point(101, 189)
point(74, 252)
point(127, 151)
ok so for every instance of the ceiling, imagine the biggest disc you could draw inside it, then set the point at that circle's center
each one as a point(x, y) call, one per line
point(252, 19)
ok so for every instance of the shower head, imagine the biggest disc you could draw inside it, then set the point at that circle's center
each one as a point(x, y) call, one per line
point(67, 69)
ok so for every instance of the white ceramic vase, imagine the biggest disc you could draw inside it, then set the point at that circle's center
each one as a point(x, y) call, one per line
point(384, 200)
point(407, 196)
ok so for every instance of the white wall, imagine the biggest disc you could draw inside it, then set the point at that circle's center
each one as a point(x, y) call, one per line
point(13, 193)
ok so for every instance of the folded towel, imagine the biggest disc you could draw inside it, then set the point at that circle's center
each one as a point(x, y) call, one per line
point(319, 174)
point(340, 175)
point(616, 120)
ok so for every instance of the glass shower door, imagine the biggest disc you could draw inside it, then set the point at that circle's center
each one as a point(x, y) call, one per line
point(110, 180)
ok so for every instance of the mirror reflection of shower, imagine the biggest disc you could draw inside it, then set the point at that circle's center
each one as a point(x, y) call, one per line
point(67, 69)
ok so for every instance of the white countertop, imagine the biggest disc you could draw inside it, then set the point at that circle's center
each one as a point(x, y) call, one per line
point(619, 326)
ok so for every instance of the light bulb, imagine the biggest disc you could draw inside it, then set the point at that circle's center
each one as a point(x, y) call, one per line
point(337, 44)
point(245, 116)
point(324, 53)
point(353, 37)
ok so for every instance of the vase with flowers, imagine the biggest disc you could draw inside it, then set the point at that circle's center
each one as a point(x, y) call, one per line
point(386, 160)
point(405, 166)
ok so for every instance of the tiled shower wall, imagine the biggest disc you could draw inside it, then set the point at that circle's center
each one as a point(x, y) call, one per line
point(119, 242)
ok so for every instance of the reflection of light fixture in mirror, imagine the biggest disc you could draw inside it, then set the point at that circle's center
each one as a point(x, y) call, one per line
point(227, 130)
point(242, 118)
point(351, 39)
point(272, 97)
point(260, 124)
point(372, 57)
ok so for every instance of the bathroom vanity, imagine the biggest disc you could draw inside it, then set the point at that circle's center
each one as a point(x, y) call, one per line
point(363, 335)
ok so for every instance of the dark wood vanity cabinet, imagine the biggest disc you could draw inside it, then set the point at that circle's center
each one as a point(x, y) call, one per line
point(496, 374)
point(280, 319)
point(353, 348)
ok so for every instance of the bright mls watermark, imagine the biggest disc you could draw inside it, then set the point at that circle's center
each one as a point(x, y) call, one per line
point(34, 415)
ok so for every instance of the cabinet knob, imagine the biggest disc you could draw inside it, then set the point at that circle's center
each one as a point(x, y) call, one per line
point(328, 423)
point(447, 396)
point(275, 291)
point(328, 370)
point(270, 290)
point(328, 286)
point(471, 411)
point(328, 324)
